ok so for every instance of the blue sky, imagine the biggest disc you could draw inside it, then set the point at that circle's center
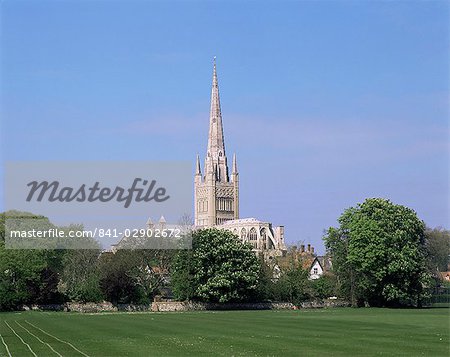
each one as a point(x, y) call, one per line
point(325, 103)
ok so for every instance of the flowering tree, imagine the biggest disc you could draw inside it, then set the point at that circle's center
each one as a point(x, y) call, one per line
point(219, 268)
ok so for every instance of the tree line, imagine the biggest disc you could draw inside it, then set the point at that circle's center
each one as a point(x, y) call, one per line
point(382, 255)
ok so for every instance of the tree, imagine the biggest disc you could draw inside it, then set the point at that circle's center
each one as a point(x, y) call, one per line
point(80, 280)
point(27, 276)
point(438, 249)
point(379, 254)
point(324, 287)
point(115, 282)
point(150, 270)
point(293, 285)
point(20, 276)
point(134, 275)
point(183, 275)
point(220, 268)
point(266, 281)
point(337, 242)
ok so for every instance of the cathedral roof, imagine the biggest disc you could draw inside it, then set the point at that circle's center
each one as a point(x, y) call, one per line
point(243, 220)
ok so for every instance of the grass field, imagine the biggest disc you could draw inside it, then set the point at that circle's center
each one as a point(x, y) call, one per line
point(328, 332)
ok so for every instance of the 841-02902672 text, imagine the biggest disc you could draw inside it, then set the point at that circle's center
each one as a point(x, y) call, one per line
point(98, 233)
point(140, 233)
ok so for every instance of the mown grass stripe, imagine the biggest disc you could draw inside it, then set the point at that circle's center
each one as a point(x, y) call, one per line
point(20, 338)
point(56, 338)
point(6, 346)
point(44, 343)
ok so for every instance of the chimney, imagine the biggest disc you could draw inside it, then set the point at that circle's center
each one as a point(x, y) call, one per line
point(312, 250)
point(309, 248)
point(302, 248)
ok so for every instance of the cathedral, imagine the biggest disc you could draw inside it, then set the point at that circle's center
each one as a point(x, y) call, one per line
point(216, 192)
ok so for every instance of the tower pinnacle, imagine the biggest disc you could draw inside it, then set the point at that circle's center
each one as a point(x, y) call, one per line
point(198, 170)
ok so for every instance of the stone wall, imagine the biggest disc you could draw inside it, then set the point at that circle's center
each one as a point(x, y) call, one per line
point(198, 306)
point(106, 307)
point(52, 307)
point(172, 306)
point(89, 307)
point(318, 304)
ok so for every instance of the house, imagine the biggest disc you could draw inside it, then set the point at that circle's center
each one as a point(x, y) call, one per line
point(306, 259)
point(315, 270)
point(319, 266)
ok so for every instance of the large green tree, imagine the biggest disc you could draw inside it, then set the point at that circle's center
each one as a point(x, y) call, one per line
point(379, 254)
point(219, 268)
point(27, 276)
point(20, 276)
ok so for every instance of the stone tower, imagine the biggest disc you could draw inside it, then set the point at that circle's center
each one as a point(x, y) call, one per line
point(216, 193)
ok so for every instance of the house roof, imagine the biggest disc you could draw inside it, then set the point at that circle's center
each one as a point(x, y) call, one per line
point(316, 259)
point(324, 262)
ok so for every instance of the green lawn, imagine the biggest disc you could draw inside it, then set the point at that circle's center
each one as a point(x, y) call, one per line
point(321, 332)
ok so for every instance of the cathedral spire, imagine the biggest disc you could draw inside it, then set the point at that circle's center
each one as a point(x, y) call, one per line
point(234, 171)
point(216, 145)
